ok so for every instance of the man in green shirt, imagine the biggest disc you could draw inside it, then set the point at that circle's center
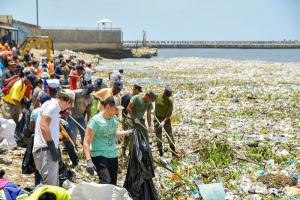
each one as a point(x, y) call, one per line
point(136, 109)
point(163, 112)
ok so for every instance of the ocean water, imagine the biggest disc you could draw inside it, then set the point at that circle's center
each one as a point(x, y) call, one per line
point(274, 55)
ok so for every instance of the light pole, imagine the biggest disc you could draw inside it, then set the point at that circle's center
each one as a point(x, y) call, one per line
point(37, 12)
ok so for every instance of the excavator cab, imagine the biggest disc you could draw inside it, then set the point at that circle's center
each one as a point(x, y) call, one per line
point(30, 42)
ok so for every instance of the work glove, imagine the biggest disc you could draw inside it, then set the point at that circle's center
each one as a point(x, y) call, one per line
point(162, 123)
point(90, 167)
point(137, 121)
point(150, 129)
point(129, 132)
point(53, 150)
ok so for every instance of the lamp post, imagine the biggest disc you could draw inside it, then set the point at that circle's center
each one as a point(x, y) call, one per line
point(37, 12)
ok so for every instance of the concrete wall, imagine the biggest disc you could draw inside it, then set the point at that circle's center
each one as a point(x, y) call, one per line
point(85, 39)
point(25, 29)
point(6, 19)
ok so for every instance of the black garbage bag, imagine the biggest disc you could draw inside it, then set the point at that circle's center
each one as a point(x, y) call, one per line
point(22, 132)
point(28, 166)
point(140, 169)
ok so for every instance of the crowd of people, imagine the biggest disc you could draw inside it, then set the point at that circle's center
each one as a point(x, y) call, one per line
point(62, 96)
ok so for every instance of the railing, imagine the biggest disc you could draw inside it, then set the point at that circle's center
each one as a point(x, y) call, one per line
point(213, 44)
point(80, 28)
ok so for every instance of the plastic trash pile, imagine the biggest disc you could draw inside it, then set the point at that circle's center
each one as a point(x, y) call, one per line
point(236, 124)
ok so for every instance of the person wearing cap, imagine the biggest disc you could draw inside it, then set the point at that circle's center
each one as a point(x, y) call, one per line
point(106, 92)
point(115, 75)
point(41, 99)
point(136, 89)
point(136, 109)
point(99, 145)
point(10, 73)
point(163, 112)
point(80, 110)
point(11, 102)
point(75, 76)
point(46, 138)
point(98, 85)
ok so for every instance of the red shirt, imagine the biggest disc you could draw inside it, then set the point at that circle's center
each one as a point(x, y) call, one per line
point(73, 80)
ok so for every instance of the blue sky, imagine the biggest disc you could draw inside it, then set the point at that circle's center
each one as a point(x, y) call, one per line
point(170, 19)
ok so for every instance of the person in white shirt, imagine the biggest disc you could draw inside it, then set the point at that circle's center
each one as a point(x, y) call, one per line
point(88, 73)
point(46, 138)
point(115, 76)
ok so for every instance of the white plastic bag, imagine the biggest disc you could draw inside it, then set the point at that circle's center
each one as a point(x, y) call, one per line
point(7, 132)
point(94, 191)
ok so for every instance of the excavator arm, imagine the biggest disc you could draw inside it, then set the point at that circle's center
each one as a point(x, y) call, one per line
point(30, 42)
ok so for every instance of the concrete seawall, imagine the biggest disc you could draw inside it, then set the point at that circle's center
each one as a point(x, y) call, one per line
point(79, 39)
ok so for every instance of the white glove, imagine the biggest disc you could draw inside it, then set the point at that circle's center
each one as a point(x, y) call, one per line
point(137, 121)
point(129, 132)
point(162, 123)
point(150, 129)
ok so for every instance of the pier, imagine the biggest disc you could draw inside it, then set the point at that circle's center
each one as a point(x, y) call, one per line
point(214, 44)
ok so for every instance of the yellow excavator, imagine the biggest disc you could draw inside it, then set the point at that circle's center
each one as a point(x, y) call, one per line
point(30, 42)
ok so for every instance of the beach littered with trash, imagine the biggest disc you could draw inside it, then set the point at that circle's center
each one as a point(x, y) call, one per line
point(235, 122)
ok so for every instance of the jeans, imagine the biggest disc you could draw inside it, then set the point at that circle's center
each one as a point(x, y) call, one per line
point(158, 133)
point(71, 152)
point(73, 126)
point(47, 168)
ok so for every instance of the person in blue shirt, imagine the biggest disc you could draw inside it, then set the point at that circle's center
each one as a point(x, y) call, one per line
point(99, 143)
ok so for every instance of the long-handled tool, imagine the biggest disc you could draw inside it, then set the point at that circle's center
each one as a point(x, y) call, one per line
point(74, 120)
point(65, 134)
point(143, 126)
point(167, 133)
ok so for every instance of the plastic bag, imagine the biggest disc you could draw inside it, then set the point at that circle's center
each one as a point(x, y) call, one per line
point(28, 166)
point(7, 132)
point(22, 133)
point(140, 169)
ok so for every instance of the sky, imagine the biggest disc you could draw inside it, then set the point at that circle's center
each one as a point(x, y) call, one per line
point(169, 19)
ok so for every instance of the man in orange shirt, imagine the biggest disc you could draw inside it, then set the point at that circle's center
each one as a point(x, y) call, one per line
point(75, 76)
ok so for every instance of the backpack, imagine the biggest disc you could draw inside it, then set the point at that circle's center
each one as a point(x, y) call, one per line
point(5, 89)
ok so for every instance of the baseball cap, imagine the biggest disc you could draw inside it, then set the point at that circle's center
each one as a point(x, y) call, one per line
point(43, 97)
point(151, 95)
point(118, 85)
point(44, 75)
point(138, 87)
point(31, 78)
point(71, 94)
point(168, 91)
point(88, 89)
point(98, 82)
point(79, 67)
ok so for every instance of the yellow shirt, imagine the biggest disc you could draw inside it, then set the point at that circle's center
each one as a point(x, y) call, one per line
point(104, 93)
point(16, 92)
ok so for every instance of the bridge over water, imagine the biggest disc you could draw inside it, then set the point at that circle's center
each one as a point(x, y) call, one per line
point(214, 44)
